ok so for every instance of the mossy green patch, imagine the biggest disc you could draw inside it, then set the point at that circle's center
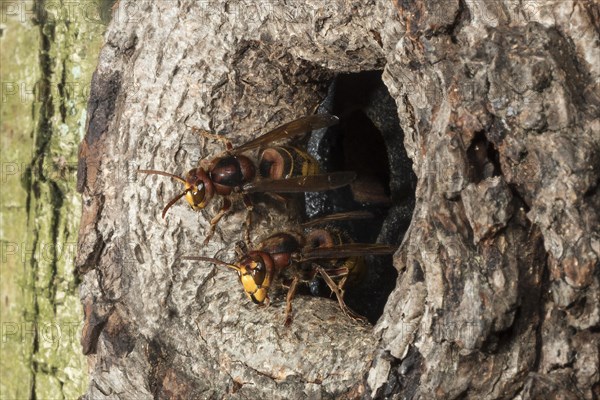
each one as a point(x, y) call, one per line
point(46, 66)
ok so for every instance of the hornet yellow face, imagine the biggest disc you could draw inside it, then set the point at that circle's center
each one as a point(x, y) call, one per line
point(194, 194)
point(255, 278)
point(195, 190)
point(255, 271)
point(198, 189)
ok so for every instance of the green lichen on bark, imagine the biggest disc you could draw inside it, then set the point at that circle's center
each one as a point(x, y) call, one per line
point(49, 52)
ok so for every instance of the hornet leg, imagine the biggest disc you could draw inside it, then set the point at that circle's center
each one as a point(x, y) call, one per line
point(336, 290)
point(249, 210)
point(207, 135)
point(288, 304)
point(213, 223)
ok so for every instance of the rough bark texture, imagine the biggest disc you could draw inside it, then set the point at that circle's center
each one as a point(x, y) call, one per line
point(498, 287)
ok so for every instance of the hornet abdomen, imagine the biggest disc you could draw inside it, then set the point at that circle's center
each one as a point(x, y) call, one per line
point(352, 267)
point(283, 162)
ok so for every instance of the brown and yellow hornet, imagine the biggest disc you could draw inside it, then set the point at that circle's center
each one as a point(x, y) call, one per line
point(294, 258)
point(282, 169)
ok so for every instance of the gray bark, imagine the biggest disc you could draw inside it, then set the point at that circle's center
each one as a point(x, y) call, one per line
point(498, 288)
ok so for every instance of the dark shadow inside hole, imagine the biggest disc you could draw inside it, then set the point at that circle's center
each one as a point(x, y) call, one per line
point(370, 142)
point(368, 158)
point(484, 160)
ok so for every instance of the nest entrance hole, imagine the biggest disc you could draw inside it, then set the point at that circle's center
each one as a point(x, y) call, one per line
point(369, 141)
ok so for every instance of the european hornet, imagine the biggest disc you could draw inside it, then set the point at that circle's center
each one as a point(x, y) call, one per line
point(283, 169)
point(293, 258)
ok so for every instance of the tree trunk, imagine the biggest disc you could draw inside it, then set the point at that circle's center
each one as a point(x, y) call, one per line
point(48, 54)
point(498, 287)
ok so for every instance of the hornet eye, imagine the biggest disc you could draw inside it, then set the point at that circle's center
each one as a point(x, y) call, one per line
point(258, 273)
point(198, 193)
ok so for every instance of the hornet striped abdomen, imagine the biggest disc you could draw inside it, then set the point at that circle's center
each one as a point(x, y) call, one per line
point(284, 162)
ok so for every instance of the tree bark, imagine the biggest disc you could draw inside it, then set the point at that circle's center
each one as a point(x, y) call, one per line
point(48, 54)
point(497, 293)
